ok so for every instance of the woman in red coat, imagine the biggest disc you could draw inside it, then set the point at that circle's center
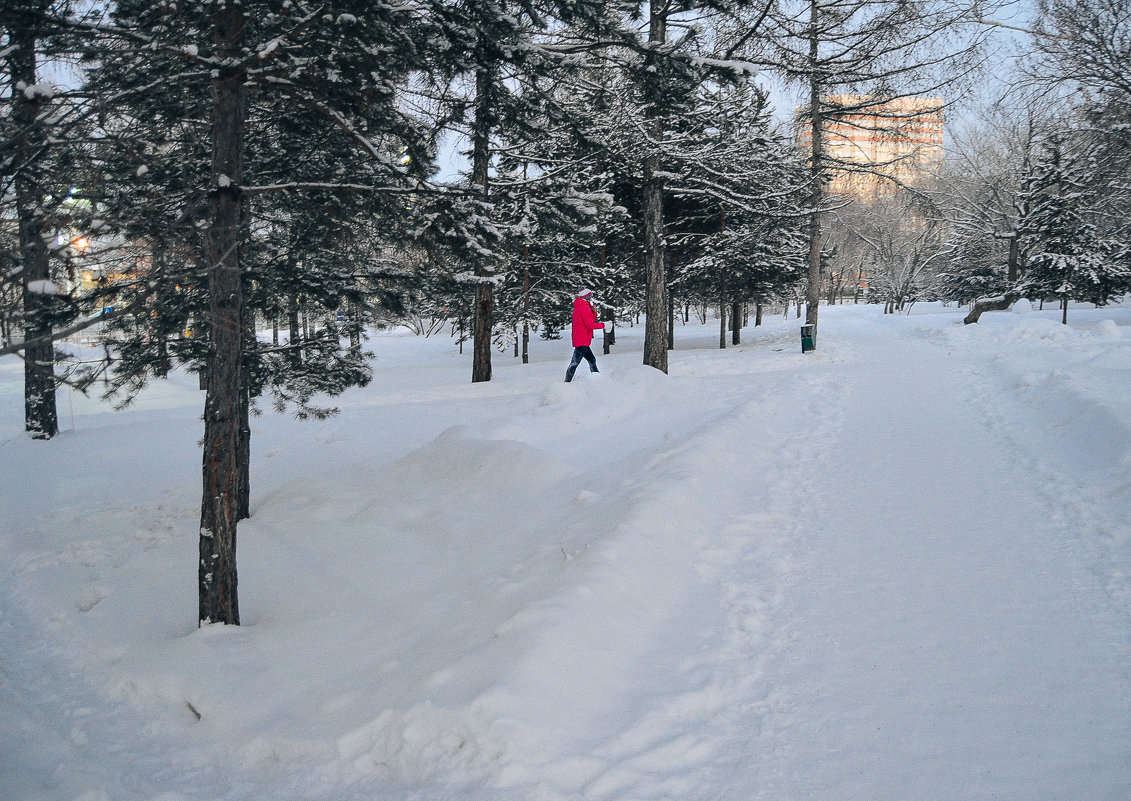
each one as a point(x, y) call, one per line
point(584, 324)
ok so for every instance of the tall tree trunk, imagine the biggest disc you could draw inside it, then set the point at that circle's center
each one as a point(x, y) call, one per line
point(244, 456)
point(723, 310)
point(157, 329)
point(293, 332)
point(1014, 264)
point(609, 337)
point(41, 419)
point(656, 307)
point(813, 292)
point(219, 511)
point(526, 304)
point(481, 156)
point(736, 317)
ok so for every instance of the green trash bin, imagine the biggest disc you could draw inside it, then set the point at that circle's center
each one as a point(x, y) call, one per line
point(807, 338)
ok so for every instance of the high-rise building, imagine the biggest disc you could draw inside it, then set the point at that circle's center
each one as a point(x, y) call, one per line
point(873, 144)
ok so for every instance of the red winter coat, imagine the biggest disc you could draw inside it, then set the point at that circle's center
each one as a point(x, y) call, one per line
point(584, 323)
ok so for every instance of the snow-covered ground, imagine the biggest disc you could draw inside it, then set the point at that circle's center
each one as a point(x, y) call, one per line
point(896, 568)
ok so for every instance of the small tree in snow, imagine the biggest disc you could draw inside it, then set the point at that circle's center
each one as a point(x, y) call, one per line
point(1071, 260)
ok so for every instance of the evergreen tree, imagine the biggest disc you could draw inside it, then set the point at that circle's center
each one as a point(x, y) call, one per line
point(661, 122)
point(750, 184)
point(1083, 46)
point(41, 128)
point(264, 97)
point(492, 87)
point(1071, 260)
point(982, 199)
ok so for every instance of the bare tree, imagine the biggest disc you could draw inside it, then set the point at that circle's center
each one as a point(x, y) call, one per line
point(981, 197)
point(854, 57)
point(1085, 46)
point(904, 246)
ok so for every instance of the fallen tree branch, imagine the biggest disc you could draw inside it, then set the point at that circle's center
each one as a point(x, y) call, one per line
point(1000, 303)
point(74, 328)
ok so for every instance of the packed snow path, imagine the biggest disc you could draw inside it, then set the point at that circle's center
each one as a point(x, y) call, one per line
point(945, 628)
point(906, 608)
point(896, 568)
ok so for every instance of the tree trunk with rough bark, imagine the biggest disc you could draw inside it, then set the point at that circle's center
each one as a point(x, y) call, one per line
point(656, 307)
point(723, 310)
point(526, 304)
point(484, 297)
point(41, 419)
point(1000, 303)
point(655, 267)
point(222, 407)
point(813, 292)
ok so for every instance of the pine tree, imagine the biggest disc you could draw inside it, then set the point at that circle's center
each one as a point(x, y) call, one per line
point(40, 144)
point(1071, 260)
point(652, 109)
point(551, 243)
point(1083, 46)
point(505, 52)
point(256, 102)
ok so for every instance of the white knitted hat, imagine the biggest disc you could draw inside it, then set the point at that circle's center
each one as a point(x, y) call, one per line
point(584, 293)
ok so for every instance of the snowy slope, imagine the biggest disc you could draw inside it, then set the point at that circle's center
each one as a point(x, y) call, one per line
point(896, 568)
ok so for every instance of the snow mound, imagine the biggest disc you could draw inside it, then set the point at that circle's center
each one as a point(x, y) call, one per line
point(457, 461)
point(1108, 329)
point(417, 745)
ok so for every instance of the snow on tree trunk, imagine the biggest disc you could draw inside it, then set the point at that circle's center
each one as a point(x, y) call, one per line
point(990, 304)
point(41, 418)
point(481, 156)
point(813, 291)
point(655, 326)
point(219, 512)
point(656, 306)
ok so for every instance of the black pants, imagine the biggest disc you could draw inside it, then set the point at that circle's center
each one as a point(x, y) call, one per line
point(579, 353)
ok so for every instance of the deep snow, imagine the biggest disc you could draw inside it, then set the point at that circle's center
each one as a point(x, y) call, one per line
point(898, 567)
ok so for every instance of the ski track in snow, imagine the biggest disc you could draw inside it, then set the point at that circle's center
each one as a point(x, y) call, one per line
point(870, 572)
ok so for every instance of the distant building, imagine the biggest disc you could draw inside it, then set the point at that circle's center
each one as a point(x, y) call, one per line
point(876, 144)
